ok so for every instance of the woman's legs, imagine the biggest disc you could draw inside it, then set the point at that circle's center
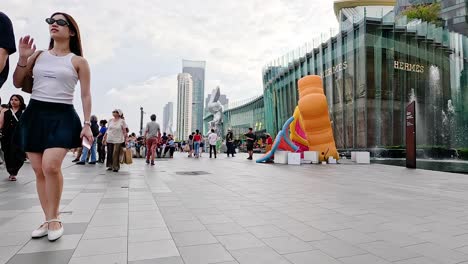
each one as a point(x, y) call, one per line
point(52, 167)
point(110, 151)
point(93, 151)
point(116, 156)
point(36, 164)
point(84, 155)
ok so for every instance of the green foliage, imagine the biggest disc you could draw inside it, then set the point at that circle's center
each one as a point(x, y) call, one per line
point(463, 153)
point(429, 13)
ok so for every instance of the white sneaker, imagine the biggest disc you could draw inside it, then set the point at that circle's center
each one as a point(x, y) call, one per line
point(53, 235)
point(40, 232)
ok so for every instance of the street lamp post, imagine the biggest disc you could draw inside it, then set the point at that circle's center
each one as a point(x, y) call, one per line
point(141, 120)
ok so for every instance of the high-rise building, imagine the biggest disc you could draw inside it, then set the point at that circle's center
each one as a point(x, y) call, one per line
point(197, 70)
point(184, 105)
point(168, 115)
point(455, 15)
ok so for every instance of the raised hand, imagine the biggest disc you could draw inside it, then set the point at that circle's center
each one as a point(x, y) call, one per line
point(26, 46)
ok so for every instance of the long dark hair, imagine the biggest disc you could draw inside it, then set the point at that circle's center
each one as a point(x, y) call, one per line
point(75, 41)
point(21, 99)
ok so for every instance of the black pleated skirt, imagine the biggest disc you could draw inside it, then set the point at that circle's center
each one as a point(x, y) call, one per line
point(45, 125)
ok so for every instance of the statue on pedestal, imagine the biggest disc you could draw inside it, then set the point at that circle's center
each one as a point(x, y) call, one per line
point(216, 108)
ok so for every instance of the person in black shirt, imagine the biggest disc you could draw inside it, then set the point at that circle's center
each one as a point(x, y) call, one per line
point(230, 143)
point(250, 137)
point(7, 46)
point(9, 118)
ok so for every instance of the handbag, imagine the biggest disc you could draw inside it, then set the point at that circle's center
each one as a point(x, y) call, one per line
point(28, 79)
point(128, 156)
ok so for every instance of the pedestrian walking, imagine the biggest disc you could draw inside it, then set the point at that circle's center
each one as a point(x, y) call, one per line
point(100, 146)
point(212, 139)
point(250, 137)
point(152, 135)
point(196, 143)
point(9, 118)
point(91, 153)
point(230, 143)
point(50, 126)
point(114, 139)
point(7, 46)
point(190, 144)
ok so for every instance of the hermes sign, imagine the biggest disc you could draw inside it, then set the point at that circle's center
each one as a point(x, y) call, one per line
point(404, 66)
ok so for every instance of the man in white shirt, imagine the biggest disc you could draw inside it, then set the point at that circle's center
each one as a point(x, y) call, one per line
point(212, 139)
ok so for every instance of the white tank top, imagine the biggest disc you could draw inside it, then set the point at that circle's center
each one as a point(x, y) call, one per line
point(55, 78)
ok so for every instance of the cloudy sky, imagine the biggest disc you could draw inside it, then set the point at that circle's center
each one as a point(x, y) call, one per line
point(135, 48)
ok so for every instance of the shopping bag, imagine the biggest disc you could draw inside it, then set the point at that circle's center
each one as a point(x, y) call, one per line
point(128, 156)
point(122, 155)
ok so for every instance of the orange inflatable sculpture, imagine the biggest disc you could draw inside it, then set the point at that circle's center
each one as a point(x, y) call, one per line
point(310, 127)
point(315, 120)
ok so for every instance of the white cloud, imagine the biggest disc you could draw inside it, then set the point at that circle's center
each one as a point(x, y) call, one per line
point(128, 42)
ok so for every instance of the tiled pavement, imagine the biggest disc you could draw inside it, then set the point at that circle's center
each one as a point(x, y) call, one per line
point(236, 211)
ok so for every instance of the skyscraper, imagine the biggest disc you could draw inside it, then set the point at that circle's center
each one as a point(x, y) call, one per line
point(184, 105)
point(168, 115)
point(197, 70)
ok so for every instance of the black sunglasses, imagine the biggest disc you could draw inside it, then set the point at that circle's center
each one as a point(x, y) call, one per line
point(60, 22)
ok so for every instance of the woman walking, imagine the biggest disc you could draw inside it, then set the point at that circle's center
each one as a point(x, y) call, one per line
point(196, 143)
point(115, 139)
point(90, 153)
point(100, 146)
point(14, 156)
point(50, 126)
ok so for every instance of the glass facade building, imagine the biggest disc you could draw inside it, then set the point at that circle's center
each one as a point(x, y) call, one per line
point(371, 70)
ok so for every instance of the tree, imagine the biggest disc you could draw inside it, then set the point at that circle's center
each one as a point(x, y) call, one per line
point(429, 13)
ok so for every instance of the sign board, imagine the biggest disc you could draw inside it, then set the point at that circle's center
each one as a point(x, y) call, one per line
point(411, 135)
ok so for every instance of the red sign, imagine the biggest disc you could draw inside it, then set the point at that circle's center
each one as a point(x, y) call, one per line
point(411, 135)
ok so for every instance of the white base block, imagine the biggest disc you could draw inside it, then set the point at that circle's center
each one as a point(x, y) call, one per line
point(331, 160)
point(313, 156)
point(294, 158)
point(353, 156)
point(363, 157)
point(281, 157)
point(324, 163)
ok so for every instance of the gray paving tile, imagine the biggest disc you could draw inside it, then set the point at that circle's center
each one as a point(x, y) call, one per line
point(337, 248)
point(152, 250)
point(120, 258)
point(194, 238)
point(363, 259)
point(315, 256)
point(185, 226)
point(239, 241)
point(169, 260)
point(7, 252)
point(288, 244)
point(266, 231)
point(438, 253)
point(352, 236)
point(151, 234)
point(258, 255)
point(214, 219)
point(14, 239)
point(75, 228)
point(47, 257)
point(225, 229)
point(101, 247)
point(42, 245)
point(388, 251)
point(204, 254)
point(113, 200)
point(105, 232)
point(420, 260)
